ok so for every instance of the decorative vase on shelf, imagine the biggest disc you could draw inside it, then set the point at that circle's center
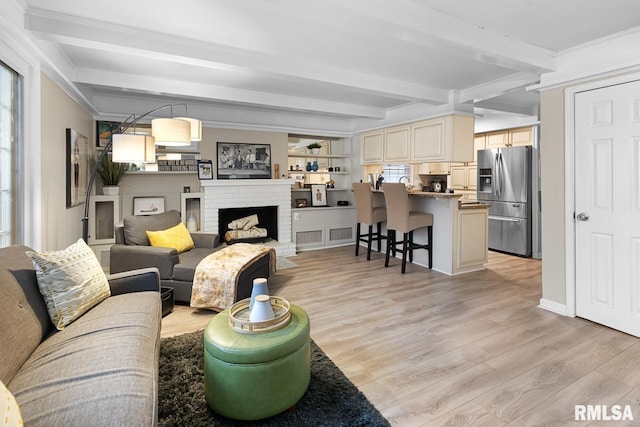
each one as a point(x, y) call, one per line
point(260, 287)
point(308, 167)
point(262, 309)
point(110, 190)
point(315, 166)
point(192, 224)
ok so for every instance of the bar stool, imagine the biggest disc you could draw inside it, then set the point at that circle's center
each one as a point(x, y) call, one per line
point(367, 214)
point(401, 219)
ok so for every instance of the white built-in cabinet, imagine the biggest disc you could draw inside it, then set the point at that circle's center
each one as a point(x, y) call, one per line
point(192, 203)
point(315, 228)
point(104, 214)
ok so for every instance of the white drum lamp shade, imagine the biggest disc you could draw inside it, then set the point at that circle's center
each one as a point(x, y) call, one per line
point(131, 148)
point(171, 132)
point(196, 128)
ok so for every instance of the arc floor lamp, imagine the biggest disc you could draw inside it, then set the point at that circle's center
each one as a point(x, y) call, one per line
point(131, 147)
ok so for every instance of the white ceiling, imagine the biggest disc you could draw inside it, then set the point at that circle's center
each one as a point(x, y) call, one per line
point(330, 65)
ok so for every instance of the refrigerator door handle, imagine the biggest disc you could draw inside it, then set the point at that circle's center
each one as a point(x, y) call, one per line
point(503, 219)
point(496, 174)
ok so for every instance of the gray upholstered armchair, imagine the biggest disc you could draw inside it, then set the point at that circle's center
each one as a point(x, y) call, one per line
point(133, 250)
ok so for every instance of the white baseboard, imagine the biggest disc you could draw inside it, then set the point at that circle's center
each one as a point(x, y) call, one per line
point(553, 306)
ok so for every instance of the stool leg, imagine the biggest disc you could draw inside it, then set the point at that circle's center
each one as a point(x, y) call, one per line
point(390, 238)
point(369, 242)
point(430, 236)
point(405, 248)
point(411, 246)
point(357, 237)
point(378, 229)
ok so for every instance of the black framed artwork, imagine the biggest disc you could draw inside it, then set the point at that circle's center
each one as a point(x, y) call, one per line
point(77, 163)
point(105, 131)
point(205, 169)
point(243, 160)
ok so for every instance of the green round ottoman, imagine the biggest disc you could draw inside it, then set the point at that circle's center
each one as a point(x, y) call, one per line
point(255, 376)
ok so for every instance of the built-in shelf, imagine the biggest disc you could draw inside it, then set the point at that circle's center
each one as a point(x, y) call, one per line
point(161, 172)
point(318, 172)
point(318, 156)
point(328, 189)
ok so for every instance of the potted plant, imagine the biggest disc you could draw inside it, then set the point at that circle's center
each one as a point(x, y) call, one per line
point(110, 174)
point(314, 147)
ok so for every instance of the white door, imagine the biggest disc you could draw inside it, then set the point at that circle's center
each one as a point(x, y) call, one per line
point(607, 226)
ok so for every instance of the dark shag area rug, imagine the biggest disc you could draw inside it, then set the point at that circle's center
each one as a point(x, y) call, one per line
point(331, 399)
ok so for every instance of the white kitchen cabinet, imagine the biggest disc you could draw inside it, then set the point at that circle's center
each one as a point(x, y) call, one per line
point(443, 139)
point(472, 239)
point(439, 168)
point(479, 143)
point(428, 140)
point(464, 177)
point(521, 136)
point(509, 137)
point(397, 147)
point(371, 147)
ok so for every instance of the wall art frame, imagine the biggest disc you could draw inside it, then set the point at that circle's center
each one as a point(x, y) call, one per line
point(77, 167)
point(318, 195)
point(148, 205)
point(243, 160)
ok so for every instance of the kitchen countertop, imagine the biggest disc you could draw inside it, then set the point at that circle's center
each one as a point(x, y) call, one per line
point(472, 205)
point(431, 194)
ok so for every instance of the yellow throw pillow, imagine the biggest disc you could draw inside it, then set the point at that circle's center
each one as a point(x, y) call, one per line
point(9, 411)
point(177, 237)
point(71, 281)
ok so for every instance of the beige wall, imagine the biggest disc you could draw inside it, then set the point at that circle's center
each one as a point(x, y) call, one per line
point(171, 185)
point(552, 160)
point(60, 226)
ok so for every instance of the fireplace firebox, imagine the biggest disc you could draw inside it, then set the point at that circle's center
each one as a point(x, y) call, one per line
point(267, 219)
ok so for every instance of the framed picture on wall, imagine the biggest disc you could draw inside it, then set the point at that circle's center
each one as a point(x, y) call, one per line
point(105, 131)
point(77, 163)
point(243, 161)
point(148, 205)
point(318, 195)
point(205, 169)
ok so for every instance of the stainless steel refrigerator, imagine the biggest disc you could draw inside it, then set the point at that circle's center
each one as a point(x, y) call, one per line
point(504, 182)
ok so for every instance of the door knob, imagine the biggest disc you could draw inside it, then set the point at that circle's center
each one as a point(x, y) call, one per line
point(582, 216)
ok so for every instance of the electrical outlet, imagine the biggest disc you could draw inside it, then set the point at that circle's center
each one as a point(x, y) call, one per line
point(296, 216)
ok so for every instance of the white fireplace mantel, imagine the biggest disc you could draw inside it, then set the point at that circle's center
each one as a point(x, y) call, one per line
point(243, 193)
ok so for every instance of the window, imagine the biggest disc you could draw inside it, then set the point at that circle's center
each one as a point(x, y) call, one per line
point(393, 173)
point(9, 157)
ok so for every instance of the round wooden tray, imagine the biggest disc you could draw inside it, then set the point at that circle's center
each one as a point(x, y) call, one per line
point(239, 316)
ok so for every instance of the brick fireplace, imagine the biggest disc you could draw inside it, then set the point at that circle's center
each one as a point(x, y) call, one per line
point(245, 193)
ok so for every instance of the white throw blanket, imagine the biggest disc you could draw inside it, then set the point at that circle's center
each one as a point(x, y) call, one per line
point(215, 281)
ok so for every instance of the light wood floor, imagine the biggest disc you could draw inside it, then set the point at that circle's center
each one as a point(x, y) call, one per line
point(429, 349)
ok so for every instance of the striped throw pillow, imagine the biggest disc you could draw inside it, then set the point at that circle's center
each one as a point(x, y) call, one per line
point(9, 411)
point(71, 281)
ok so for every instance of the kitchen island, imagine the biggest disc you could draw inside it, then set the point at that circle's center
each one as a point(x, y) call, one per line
point(460, 231)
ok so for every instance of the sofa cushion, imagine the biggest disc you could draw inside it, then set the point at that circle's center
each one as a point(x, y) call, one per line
point(71, 281)
point(20, 304)
point(189, 260)
point(136, 226)
point(9, 409)
point(101, 370)
point(176, 237)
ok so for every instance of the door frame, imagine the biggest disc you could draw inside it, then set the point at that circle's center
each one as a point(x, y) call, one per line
point(570, 186)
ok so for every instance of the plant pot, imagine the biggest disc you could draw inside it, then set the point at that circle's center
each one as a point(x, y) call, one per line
point(315, 150)
point(110, 190)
